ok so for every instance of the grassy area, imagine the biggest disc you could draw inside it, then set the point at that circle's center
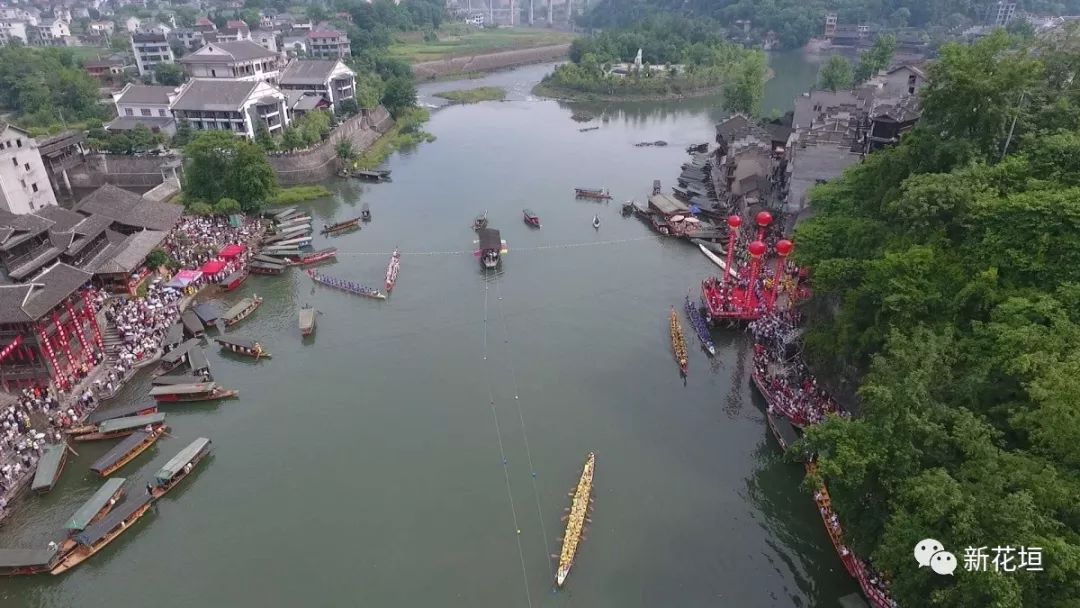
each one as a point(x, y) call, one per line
point(299, 194)
point(456, 43)
point(474, 95)
point(405, 132)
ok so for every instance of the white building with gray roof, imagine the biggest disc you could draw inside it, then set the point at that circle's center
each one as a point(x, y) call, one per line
point(147, 105)
point(241, 59)
point(210, 104)
point(329, 78)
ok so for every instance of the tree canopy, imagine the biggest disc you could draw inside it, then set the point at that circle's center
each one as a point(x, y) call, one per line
point(947, 291)
point(47, 86)
point(836, 74)
point(222, 165)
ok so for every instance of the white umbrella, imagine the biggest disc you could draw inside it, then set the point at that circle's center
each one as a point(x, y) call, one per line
point(677, 218)
point(693, 220)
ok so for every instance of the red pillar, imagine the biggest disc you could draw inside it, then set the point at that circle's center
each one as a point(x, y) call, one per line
point(87, 356)
point(50, 353)
point(733, 222)
point(783, 249)
point(65, 339)
point(757, 249)
point(763, 219)
point(91, 315)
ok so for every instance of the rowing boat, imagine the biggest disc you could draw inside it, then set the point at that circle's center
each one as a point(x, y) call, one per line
point(96, 537)
point(307, 320)
point(575, 521)
point(392, 270)
point(242, 310)
point(341, 227)
point(700, 328)
point(678, 343)
point(241, 346)
point(179, 467)
point(122, 427)
point(531, 218)
point(365, 212)
point(49, 467)
point(126, 451)
point(314, 257)
point(594, 193)
point(346, 286)
point(180, 393)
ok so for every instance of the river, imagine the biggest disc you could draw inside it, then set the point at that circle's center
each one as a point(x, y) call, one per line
point(365, 466)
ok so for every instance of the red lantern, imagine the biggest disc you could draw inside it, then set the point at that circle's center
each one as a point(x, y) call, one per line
point(757, 249)
point(784, 247)
point(734, 221)
point(764, 218)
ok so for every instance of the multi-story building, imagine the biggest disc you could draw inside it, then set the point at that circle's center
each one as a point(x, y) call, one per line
point(131, 24)
point(51, 32)
point(103, 68)
point(24, 184)
point(233, 31)
point(204, 25)
point(330, 79)
point(11, 30)
point(242, 60)
point(236, 106)
point(101, 27)
point(188, 38)
point(150, 49)
point(265, 39)
point(140, 104)
point(328, 44)
point(294, 46)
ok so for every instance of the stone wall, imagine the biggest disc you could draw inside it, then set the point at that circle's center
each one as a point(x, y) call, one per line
point(131, 172)
point(490, 61)
point(320, 162)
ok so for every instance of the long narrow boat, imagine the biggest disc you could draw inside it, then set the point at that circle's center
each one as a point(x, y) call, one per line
point(97, 536)
point(365, 212)
point(126, 451)
point(179, 467)
point(175, 379)
point(176, 356)
point(531, 218)
point(392, 271)
point(299, 242)
point(284, 213)
point(700, 328)
point(480, 222)
point(678, 343)
point(715, 259)
point(19, 562)
point(174, 336)
point(594, 193)
point(183, 393)
point(314, 257)
point(575, 521)
point(341, 227)
point(122, 427)
point(200, 365)
point(192, 325)
point(267, 268)
point(347, 286)
point(242, 346)
point(124, 411)
point(206, 312)
point(262, 257)
point(307, 320)
point(242, 310)
point(97, 507)
point(233, 281)
point(49, 467)
point(293, 222)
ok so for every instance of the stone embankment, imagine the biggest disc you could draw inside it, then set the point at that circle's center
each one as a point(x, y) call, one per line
point(487, 62)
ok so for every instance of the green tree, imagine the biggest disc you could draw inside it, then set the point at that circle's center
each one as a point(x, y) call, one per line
point(345, 150)
point(200, 209)
point(184, 133)
point(227, 206)
point(746, 86)
point(157, 258)
point(219, 164)
point(169, 74)
point(291, 139)
point(400, 94)
point(875, 59)
point(264, 138)
point(349, 107)
point(836, 74)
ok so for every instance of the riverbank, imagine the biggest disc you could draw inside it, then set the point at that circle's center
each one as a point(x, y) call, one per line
point(561, 94)
point(460, 96)
point(457, 41)
point(403, 133)
point(488, 62)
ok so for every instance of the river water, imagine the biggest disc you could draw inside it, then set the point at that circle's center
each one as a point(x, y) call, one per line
point(365, 467)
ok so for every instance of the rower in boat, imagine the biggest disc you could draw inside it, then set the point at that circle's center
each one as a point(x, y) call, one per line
point(250, 348)
point(97, 536)
point(575, 521)
point(122, 427)
point(179, 467)
point(596, 222)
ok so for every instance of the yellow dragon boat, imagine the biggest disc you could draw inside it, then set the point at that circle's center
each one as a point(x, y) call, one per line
point(678, 343)
point(575, 522)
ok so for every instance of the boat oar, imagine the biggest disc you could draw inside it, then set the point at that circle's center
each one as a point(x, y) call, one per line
point(71, 449)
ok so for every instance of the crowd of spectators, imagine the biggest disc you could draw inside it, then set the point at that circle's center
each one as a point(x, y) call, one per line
point(198, 240)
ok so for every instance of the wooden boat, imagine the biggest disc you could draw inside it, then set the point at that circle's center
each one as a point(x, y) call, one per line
point(97, 536)
point(315, 257)
point(99, 505)
point(678, 343)
point(122, 427)
point(181, 393)
point(372, 176)
point(240, 346)
point(628, 208)
point(192, 324)
point(299, 242)
point(480, 221)
point(307, 320)
point(392, 270)
point(341, 227)
point(575, 521)
point(125, 411)
point(266, 268)
point(347, 286)
point(262, 257)
point(593, 193)
point(365, 212)
point(278, 216)
point(126, 451)
point(49, 467)
point(206, 312)
point(531, 218)
point(200, 365)
point(20, 562)
point(243, 309)
point(697, 148)
point(179, 467)
point(490, 248)
point(175, 357)
point(293, 222)
point(596, 222)
point(234, 280)
point(175, 379)
point(700, 328)
point(174, 336)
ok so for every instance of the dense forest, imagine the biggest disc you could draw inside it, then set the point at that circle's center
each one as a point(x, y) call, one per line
point(679, 56)
point(947, 293)
point(796, 21)
point(47, 86)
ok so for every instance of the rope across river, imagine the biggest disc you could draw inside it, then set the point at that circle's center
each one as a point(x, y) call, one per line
point(516, 250)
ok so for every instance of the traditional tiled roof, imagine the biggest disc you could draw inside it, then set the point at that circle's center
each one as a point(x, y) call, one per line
point(214, 94)
point(63, 219)
point(144, 93)
point(308, 71)
point(129, 209)
point(236, 50)
point(31, 301)
point(132, 252)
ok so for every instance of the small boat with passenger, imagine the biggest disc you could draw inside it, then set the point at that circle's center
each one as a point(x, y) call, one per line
point(126, 451)
point(179, 467)
point(530, 218)
point(243, 309)
point(97, 536)
point(242, 346)
point(122, 427)
point(49, 467)
point(341, 227)
point(307, 320)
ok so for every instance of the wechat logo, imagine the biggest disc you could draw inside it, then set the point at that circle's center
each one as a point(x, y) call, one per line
point(929, 552)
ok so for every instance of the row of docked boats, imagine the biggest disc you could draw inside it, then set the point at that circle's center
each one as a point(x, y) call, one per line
point(107, 514)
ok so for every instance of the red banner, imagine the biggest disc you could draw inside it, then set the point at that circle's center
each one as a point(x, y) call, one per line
point(10, 348)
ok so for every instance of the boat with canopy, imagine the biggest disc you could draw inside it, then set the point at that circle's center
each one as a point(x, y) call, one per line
point(242, 346)
point(181, 393)
point(179, 467)
point(243, 309)
point(97, 536)
point(98, 506)
point(122, 427)
point(124, 411)
point(19, 562)
point(192, 325)
point(307, 320)
point(126, 451)
point(233, 281)
point(49, 467)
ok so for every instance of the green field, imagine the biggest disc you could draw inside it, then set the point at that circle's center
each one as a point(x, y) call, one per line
point(458, 42)
point(474, 95)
